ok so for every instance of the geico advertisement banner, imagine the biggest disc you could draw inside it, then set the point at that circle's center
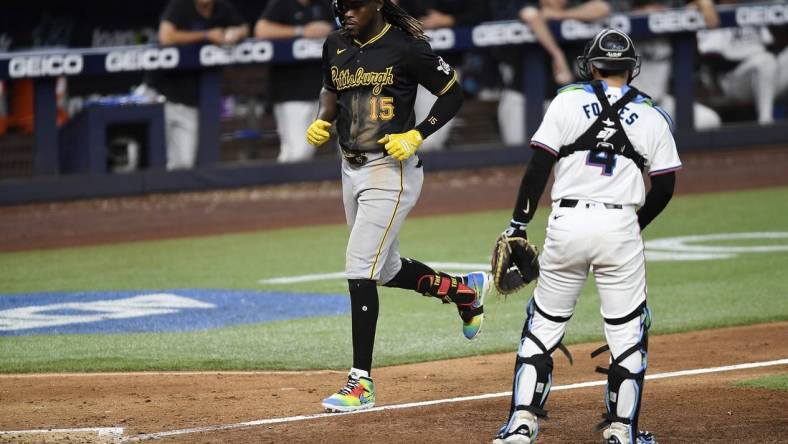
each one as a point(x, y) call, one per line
point(52, 63)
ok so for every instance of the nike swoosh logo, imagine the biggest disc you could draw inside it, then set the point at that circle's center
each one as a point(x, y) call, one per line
point(340, 51)
point(557, 216)
point(527, 207)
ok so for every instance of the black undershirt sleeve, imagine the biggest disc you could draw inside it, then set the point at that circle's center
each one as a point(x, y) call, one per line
point(444, 109)
point(532, 186)
point(657, 198)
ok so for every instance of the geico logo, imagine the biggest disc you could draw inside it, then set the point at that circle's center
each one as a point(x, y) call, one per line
point(48, 65)
point(308, 48)
point(246, 52)
point(501, 34)
point(441, 38)
point(148, 59)
point(671, 21)
point(776, 14)
point(577, 30)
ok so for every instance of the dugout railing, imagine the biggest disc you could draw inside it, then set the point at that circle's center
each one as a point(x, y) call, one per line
point(43, 67)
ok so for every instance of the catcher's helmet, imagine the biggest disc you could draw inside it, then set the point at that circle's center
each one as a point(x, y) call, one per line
point(340, 9)
point(610, 49)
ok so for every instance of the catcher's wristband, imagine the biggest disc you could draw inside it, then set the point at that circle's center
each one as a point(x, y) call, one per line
point(518, 225)
point(516, 229)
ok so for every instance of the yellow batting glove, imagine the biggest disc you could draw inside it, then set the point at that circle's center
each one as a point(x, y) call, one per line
point(317, 133)
point(402, 146)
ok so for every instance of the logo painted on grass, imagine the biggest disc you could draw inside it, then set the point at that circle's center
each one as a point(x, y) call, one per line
point(170, 311)
point(687, 248)
point(681, 248)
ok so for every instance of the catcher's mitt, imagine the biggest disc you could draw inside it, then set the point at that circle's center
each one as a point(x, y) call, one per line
point(515, 263)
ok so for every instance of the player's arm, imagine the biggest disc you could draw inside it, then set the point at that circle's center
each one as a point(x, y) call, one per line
point(267, 29)
point(327, 109)
point(444, 109)
point(657, 199)
point(587, 11)
point(709, 11)
point(429, 70)
point(535, 20)
point(662, 171)
point(169, 34)
point(531, 188)
point(236, 33)
point(440, 79)
point(317, 133)
point(549, 137)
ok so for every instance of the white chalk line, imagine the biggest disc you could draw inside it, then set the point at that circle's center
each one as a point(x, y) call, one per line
point(452, 266)
point(248, 424)
point(114, 432)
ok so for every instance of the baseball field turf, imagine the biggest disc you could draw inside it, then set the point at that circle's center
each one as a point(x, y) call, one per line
point(723, 280)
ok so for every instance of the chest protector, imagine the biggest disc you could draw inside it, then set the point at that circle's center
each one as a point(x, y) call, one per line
point(606, 136)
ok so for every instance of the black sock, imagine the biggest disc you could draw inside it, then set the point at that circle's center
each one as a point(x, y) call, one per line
point(364, 314)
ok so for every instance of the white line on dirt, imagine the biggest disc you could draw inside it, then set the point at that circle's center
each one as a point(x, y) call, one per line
point(243, 425)
point(115, 432)
point(451, 266)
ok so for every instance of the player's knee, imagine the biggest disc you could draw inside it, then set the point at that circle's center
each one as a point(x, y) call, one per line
point(543, 329)
point(636, 362)
point(529, 14)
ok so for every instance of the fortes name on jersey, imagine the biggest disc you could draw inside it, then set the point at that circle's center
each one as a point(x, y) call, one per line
point(344, 79)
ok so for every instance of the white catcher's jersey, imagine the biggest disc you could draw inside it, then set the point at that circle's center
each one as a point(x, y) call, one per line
point(582, 175)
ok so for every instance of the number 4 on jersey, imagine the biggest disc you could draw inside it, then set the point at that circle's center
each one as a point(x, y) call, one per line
point(604, 159)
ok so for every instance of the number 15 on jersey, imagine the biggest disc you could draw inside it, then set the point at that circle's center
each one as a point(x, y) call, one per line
point(381, 108)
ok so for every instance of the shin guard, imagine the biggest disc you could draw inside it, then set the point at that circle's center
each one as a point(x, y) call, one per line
point(625, 374)
point(533, 371)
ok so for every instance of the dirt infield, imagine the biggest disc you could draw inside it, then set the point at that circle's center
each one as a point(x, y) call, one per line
point(691, 409)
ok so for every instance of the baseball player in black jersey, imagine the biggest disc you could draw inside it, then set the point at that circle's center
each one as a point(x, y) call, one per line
point(371, 69)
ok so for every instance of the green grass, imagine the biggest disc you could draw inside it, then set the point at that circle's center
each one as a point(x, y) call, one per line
point(772, 382)
point(684, 296)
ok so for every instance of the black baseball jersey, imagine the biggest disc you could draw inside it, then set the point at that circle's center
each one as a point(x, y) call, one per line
point(376, 82)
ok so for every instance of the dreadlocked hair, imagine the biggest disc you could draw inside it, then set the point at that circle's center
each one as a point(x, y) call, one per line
point(400, 18)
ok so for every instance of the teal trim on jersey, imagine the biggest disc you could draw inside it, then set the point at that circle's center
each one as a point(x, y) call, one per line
point(667, 117)
point(570, 87)
point(640, 98)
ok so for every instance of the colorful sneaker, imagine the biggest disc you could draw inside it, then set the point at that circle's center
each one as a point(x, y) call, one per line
point(473, 317)
point(357, 394)
point(522, 428)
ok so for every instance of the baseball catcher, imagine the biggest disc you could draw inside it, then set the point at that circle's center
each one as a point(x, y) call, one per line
point(515, 262)
point(598, 138)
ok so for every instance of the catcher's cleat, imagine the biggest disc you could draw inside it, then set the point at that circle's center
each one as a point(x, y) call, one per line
point(646, 437)
point(357, 394)
point(522, 428)
point(619, 434)
point(473, 316)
